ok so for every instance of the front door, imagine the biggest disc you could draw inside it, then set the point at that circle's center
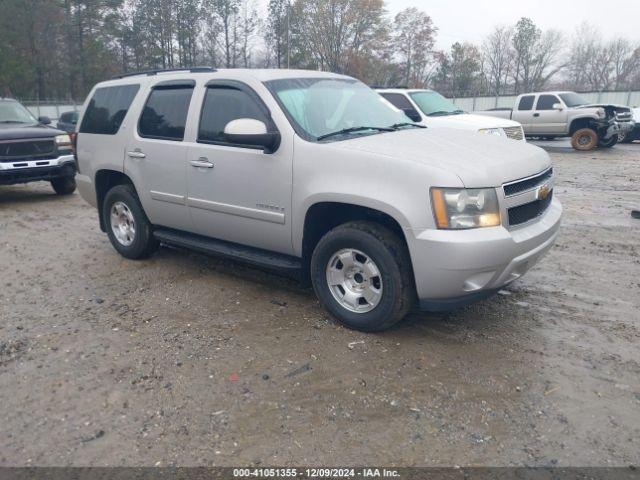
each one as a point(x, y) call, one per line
point(237, 193)
point(156, 157)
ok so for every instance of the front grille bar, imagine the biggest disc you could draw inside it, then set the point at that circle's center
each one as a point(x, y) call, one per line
point(519, 186)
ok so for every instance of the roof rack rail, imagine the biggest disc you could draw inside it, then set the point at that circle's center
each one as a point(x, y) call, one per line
point(162, 70)
point(398, 87)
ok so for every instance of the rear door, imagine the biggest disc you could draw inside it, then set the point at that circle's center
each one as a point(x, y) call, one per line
point(523, 112)
point(549, 120)
point(156, 157)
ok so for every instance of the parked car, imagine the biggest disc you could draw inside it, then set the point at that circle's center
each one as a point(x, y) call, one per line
point(317, 175)
point(68, 121)
point(630, 136)
point(567, 114)
point(30, 150)
point(431, 109)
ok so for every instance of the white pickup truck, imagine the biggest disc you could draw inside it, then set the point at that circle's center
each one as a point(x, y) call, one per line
point(567, 114)
point(429, 108)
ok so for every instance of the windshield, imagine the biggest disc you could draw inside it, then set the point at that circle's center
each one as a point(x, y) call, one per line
point(13, 112)
point(573, 99)
point(433, 104)
point(318, 107)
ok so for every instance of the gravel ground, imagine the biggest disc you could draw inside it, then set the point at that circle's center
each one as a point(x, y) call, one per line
point(188, 360)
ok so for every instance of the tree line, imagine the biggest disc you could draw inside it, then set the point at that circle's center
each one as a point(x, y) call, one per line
point(61, 48)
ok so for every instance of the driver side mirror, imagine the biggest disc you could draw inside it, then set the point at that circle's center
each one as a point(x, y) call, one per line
point(251, 132)
point(44, 120)
point(557, 106)
point(413, 114)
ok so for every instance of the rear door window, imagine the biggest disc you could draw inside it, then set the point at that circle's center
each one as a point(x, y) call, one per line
point(107, 109)
point(526, 102)
point(165, 114)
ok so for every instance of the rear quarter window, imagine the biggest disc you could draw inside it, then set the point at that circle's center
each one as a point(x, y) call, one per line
point(107, 109)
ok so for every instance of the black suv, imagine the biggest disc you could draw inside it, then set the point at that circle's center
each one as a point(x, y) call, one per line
point(30, 150)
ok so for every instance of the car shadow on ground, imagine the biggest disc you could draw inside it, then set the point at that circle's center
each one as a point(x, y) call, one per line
point(21, 194)
point(487, 316)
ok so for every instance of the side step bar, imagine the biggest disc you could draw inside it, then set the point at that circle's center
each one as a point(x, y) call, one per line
point(253, 256)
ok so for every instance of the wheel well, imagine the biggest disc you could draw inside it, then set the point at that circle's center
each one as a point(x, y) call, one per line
point(105, 180)
point(579, 123)
point(325, 216)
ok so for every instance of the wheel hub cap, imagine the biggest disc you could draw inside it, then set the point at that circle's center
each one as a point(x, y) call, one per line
point(123, 225)
point(354, 280)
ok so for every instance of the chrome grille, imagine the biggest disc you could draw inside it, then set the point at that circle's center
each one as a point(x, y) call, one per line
point(519, 186)
point(514, 133)
point(528, 198)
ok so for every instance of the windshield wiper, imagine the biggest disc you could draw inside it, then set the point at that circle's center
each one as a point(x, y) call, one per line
point(353, 130)
point(11, 121)
point(396, 126)
point(441, 113)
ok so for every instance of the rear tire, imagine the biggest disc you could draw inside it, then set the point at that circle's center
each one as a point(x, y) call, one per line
point(373, 289)
point(128, 227)
point(608, 143)
point(584, 139)
point(64, 185)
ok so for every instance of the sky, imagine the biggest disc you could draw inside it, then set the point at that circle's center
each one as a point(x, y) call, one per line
point(472, 20)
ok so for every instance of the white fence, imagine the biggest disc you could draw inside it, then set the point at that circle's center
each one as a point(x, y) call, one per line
point(50, 109)
point(631, 99)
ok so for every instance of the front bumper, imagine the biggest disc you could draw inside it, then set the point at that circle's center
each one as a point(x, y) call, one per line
point(455, 268)
point(33, 170)
point(616, 128)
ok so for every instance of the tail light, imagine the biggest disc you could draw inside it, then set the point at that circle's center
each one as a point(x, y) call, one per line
point(74, 148)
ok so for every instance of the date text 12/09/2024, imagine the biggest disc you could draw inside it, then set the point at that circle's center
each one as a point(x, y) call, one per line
point(315, 473)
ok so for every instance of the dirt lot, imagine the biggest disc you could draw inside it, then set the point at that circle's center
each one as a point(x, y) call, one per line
point(188, 360)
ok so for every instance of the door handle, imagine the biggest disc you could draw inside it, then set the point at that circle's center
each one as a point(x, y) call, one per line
point(536, 114)
point(202, 162)
point(136, 154)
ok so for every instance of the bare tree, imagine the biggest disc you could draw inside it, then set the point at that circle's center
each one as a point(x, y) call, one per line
point(498, 56)
point(414, 37)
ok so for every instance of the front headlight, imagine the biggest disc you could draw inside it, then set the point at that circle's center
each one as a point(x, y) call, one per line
point(63, 141)
point(461, 208)
point(498, 132)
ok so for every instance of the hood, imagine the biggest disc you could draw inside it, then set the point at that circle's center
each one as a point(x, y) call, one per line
point(478, 160)
point(468, 121)
point(12, 131)
point(604, 105)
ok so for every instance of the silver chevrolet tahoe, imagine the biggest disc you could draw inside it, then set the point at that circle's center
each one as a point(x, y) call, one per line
point(316, 175)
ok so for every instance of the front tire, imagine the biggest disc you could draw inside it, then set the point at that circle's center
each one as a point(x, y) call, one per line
point(627, 137)
point(584, 139)
point(64, 185)
point(608, 143)
point(361, 273)
point(128, 228)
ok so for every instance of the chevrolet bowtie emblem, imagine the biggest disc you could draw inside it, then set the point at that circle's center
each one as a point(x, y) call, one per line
point(543, 192)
